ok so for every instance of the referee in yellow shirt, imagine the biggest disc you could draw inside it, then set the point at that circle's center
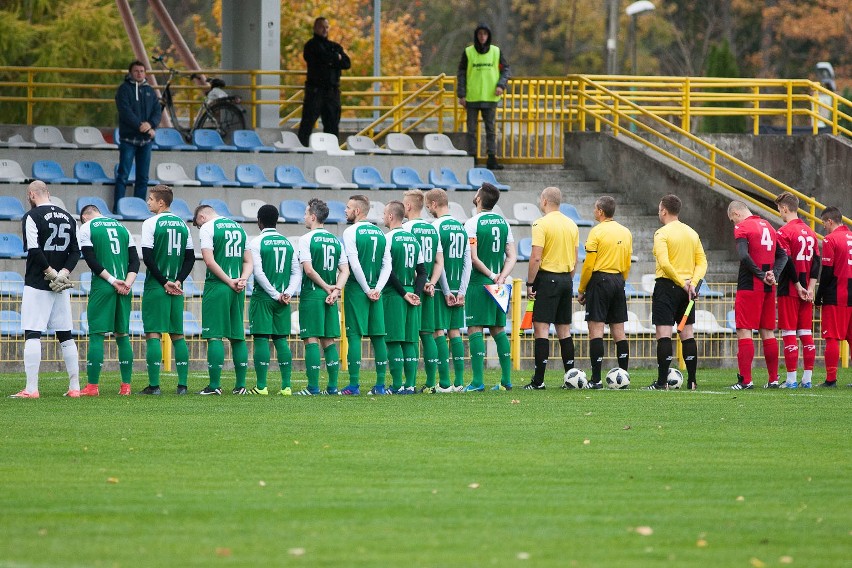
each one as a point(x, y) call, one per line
point(608, 251)
point(681, 263)
point(549, 280)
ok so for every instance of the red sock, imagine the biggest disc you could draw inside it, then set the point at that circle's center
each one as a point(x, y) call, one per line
point(832, 357)
point(791, 352)
point(745, 355)
point(770, 355)
point(808, 351)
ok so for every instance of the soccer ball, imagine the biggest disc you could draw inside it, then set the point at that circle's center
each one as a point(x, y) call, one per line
point(675, 378)
point(617, 378)
point(575, 379)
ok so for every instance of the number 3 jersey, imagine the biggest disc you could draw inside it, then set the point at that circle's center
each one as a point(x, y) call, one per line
point(802, 247)
point(169, 237)
point(50, 239)
point(761, 239)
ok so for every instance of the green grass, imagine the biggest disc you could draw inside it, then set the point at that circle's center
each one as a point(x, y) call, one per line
point(722, 478)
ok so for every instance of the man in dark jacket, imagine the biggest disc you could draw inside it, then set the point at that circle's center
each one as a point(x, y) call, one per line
point(138, 115)
point(325, 60)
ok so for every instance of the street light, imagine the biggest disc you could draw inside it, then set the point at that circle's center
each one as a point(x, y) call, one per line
point(633, 10)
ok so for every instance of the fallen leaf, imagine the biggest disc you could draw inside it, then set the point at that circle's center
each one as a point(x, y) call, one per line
point(701, 543)
point(626, 427)
point(296, 552)
point(112, 480)
point(586, 442)
point(757, 563)
point(434, 492)
point(516, 401)
point(644, 531)
point(587, 414)
point(262, 483)
point(296, 442)
point(474, 486)
point(786, 560)
point(523, 556)
point(740, 498)
point(42, 532)
point(222, 551)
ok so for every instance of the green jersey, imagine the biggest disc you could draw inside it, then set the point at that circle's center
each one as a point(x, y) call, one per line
point(227, 240)
point(406, 254)
point(430, 244)
point(454, 279)
point(276, 267)
point(325, 253)
point(110, 241)
point(170, 239)
point(489, 233)
point(369, 257)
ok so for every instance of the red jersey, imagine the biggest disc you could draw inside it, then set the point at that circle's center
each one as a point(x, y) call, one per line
point(803, 260)
point(836, 277)
point(761, 238)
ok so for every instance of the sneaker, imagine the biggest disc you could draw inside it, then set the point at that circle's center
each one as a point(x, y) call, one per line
point(595, 386)
point(806, 385)
point(533, 386)
point(75, 393)
point(351, 391)
point(410, 390)
point(150, 390)
point(657, 387)
point(400, 390)
point(24, 394)
point(501, 387)
point(207, 390)
point(692, 386)
point(458, 388)
point(449, 389)
point(740, 385)
point(828, 384)
point(239, 390)
point(89, 390)
point(306, 392)
point(124, 389)
point(286, 391)
point(786, 385)
point(263, 392)
point(472, 388)
point(772, 385)
point(331, 391)
point(379, 390)
point(428, 390)
point(181, 389)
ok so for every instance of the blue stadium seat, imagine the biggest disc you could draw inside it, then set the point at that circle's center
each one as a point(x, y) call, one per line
point(170, 139)
point(138, 286)
point(49, 171)
point(133, 209)
point(11, 246)
point(221, 208)
point(11, 208)
point(292, 210)
point(99, 203)
point(213, 175)
point(446, 179)
point(11, 284)
point(189, 288)
point(84, 325)
point(368, 177)
point(292, 177)
point(91, 172)
point(85, 285)
point(706, 292)
point(10, 323)
point(631, 291)
point(206, 139)
point(250, 175)
point(131, 176)
point(181, 208)
point(731, 320)
point(408, 178)
point(249, 141)
point(477, 176)
point(571, 212)
point(136, 327)
point(191, 325)
point(336, 212)
point(524, 248)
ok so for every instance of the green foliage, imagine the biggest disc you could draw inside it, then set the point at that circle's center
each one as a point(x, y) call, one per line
point(844, 108)
point(721, 63)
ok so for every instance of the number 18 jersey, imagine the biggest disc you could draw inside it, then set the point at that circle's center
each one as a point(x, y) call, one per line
point(169, 237)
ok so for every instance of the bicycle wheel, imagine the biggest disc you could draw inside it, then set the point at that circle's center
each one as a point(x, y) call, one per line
point(224, 118)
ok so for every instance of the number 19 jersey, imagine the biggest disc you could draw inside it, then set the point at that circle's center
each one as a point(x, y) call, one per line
point(169, 237)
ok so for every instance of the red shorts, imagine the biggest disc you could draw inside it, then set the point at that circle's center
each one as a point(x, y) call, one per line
point(755, 309)
point(837, 322)
point(795, 313)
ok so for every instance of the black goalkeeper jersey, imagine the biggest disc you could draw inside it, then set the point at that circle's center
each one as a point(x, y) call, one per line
point(50, 239)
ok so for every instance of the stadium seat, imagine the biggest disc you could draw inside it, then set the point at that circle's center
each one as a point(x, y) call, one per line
point(207, 140)
point(442, 145)
point(331, 176)
point(526, 213)
point(364, 145)
point(294, 323)
point(249, 141)
point(632, 292)
point(11, 172)
point(191, 325)
point(336, 211)
point(477, 176)
point(10, 323)
point(49, 171)
point(250, 286)
point(249, 208)
point(634, 325)
point(131, 176)
point(705, 322)
point(181, 208)
point(16, 141)
point(138, 285)
point(292, 177)
point(51, 137)
point(648, 281)
point(400, 143)
point(457, 211)
point(11, 284)
point(11, 246)
point(292, 210)
point(171, 139)
point(376, 214)
point(221, 208)
point(11, 208)
point(171, 173)
point(408, 178)
point(91, 172)
point(85, 285)
point(137, 239)
point(499, 211)
point(368, 177)
point(731, 320)
point(571, 212)
point(445, 178)
point(100, 203)
point(290, 143)
point(213, 175)
point(58, 202)
point(190, 289)
point(579, 325)
point(322, 142)
point(90, 137)
point(136, 327)
point(250, 175)
point(707, 292)
point(524, 248)
point(132, 209)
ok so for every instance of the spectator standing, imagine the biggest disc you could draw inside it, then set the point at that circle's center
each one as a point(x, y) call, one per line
point(139, 115)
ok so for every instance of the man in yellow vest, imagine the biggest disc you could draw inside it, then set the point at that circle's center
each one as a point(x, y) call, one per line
point(482, 76)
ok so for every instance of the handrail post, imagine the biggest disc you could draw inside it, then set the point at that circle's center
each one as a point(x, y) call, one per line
point(756, 120)
point(686, 111)
point(712, 179)
point(789, 108)
point(30, 96)
point(516, 324)
point(253, 86)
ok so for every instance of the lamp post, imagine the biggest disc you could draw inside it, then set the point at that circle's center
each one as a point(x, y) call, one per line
point(633, 10)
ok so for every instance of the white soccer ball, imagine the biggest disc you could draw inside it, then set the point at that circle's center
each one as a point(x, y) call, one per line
point(617, 378)
point(675, 378)
point(576, 379)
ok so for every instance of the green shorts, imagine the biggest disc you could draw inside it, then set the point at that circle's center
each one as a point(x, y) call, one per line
point(402, 320)
point(481, 309)
point(222, 312)
point(447, 317)
point(161, 312)
point(318, 319)
point(108, 311)
point(364, 317)
point(427, 313)
point(267, 317)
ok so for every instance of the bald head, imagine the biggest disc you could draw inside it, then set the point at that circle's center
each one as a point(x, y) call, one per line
point(738, 211)
point(37, 193)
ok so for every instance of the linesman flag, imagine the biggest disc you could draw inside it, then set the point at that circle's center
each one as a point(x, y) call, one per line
point(526, 323)
point(501, 293)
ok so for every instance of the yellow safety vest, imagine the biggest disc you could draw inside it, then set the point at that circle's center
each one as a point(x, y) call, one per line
point(483, 73)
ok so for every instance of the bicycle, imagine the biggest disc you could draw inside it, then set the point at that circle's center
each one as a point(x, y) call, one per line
point(223, 114)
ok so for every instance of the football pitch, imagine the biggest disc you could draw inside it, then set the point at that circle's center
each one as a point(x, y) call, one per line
point(539, 478)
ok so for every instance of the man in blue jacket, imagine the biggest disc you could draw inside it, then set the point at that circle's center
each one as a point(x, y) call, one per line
point(138, 115)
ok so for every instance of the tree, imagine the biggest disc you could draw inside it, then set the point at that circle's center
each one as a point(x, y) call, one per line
point(721, 63)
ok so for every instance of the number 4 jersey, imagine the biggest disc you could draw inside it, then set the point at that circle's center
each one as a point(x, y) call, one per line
point(50, 235)
point(761, 239)
point(802, 247)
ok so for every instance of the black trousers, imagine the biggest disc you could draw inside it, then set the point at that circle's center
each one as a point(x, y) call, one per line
point(320, 102)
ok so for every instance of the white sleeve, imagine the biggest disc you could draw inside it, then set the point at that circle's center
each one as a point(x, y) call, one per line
point(260, 278)
point(470, 227)
point(205, 236)
point(84, 236)
point(189, 244)
point(386, 267)
point(295, 276)
point(465, 275)
point(510, 238)
point(354, 264)
point(304, 252)
point(148, 232)
point(131, 242)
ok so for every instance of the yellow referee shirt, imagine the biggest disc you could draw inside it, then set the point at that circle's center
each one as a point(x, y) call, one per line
point(558, 236)
point(608, 249)
point(679, 253)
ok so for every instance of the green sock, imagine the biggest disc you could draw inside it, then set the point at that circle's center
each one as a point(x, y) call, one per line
point(443, 361)
point(215, 361)
point(332, 365)
point(380, 351)
point(312, 365)
point(261, 360)
point(395, 365)
point(95, 358)
point(457, 348)
point(285, 360)
point(239, 353)
point(504, 353)
point(430, 358)
point(477, 357)
point(411, 356)
point(153, 358)
point(125, 357)
point(181, 350)
point(353, 358)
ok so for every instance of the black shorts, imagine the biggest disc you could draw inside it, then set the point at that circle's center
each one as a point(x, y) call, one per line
point(605, 298)
point(552, 297)
point(668, 303)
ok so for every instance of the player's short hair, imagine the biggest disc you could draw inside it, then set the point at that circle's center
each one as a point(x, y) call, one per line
point(319, 209)
point(438, 196)
point(672, 204)
point(489, 195)
point(267, 215)
point(739, 207)
point(396, 209)
point(606, 204)
point(136, 63)
point(788, 200)
point(162, 193)
point(363, 202)
point(90, 208)
point(552, 195)
point(832, 214)
point(38, 187)
point(415, 197)
point(198, 210)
